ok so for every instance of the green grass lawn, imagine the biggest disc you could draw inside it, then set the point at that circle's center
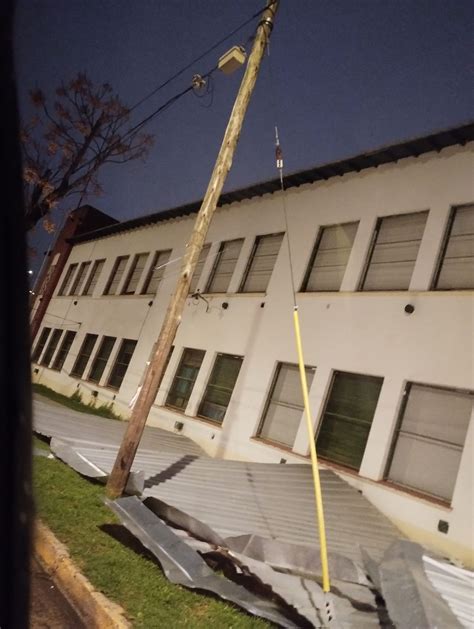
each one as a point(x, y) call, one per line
point(72, 507)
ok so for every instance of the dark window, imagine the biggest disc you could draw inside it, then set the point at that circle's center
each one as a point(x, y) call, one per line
point(262, 260)
point(198, 269)
point(347, 418)
point(156, 272)
point(184, 379)
point(51, 347)
point(122, 361)
point(79, 279)
point(430, 438)
point(329, 258)
point(220, 387)
point(93, 277)
point(63, 350)
point(224, 266)
point(40, 344)
point(394, 252)
point(285, 405)
point(67, 279)
point(101, 358)
point(456, 269)
point(116, 275)
point(135, 273)
point(84, 355)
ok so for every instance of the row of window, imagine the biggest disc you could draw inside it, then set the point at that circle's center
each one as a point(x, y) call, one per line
point(389, 266)
point(46, 355)
point(427, 445)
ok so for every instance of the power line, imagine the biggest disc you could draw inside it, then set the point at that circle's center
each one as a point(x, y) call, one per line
point(197, 59)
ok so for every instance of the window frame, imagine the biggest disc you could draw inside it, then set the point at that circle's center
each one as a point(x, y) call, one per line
point(73, 373)
point(116, 362)
point(371, 250)
point(396, 432)
point(167, 404)
point(51, 347)
point(80, 278)
point(112, 275)
point(251, 259)
point(90, 279)
point(40, 346)
point(208, 385)
point(96, 358)
point(215, 265)
point(59, 354)
point(329, 390)
point(444, 246)
point(125, 289)
point(66, 284)
point(314, 253)
point(149, 275)
point(268, 400)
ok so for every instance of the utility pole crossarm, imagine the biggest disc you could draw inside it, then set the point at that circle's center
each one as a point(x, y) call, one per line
point(154, 371)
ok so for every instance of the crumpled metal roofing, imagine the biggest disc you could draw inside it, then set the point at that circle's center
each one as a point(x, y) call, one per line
point(455, 585)
point(55, 420)
point(231, 503)
point(231, 497)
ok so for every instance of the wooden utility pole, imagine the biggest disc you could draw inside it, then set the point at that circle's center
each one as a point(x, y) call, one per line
point(123, 463)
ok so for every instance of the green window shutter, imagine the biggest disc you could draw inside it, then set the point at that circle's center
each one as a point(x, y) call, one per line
point(347, 418)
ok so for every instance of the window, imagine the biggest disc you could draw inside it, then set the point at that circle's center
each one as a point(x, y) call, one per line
point(430, 438)
point(101, 358)
point(79, 279)
point(93, 277)
point(329, 258)
point(156, 272)
point(63, 350)
point(184, 379)
point(51, 348)
point(224, 266)
point(135, 273)
point(122, 361)
point(40, 344)
point(84, 355)
point(347, 418)
point(220, 387)
point(198, 269)
point(67, 279)
point(394, 251)
point(456, 270)
point(262, 261)
point(284, 409)
point(116, 275)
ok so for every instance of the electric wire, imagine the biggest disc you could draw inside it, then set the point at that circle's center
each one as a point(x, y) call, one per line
point(197, 59)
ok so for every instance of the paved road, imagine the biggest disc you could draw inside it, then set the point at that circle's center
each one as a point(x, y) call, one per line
point(49, 609)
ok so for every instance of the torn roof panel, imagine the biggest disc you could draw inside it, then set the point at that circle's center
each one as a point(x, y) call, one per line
point(55, 420)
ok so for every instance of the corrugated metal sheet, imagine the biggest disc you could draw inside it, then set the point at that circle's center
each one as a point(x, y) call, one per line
point(384, 155)
point(455, 585)
point(231, 497)
point(54, 420)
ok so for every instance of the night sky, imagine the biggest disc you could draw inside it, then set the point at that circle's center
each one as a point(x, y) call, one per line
point(343, 77)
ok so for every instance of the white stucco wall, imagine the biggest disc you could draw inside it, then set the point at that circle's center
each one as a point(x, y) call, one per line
point(362, 332)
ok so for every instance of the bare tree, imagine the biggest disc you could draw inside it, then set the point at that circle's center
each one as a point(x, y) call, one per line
point(64, 146)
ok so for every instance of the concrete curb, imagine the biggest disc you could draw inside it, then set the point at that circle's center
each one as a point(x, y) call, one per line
point(94, 608)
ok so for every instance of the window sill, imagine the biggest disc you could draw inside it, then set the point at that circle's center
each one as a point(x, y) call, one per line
point(203, 420)
point(278, 446)
point(399, 489)
point(439, 502)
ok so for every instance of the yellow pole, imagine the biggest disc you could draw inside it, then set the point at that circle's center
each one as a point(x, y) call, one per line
point(314, 459)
